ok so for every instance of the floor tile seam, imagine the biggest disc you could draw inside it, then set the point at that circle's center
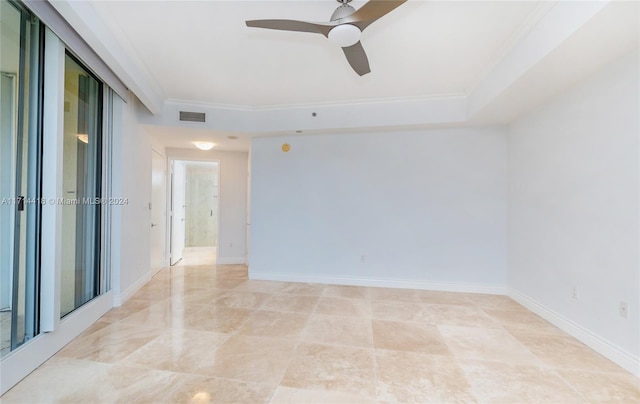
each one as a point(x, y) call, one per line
point(334, 345)
point(568, 384)
point(198, 329)
point(523, 309)
point(298, 294)
point(499, 326)
point(419, 353)
point(538, 364)
point(98, 361)
point(538, 361)
point(201, 375)
point(421, 303)
point(197, 305)
point(343, 315)
point(473, 390)
point(375, 366)
point(309, 315)
point(129, 326)
point(588, 369)
point(308, 322)
point(59, 357)
point(554, 370)
point(621, 372)
point(294, 352)
point(284, 311)
point(254, 312)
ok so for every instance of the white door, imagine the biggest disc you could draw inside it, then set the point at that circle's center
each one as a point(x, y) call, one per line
point(177, 211)
point(158, 211)
point(248, 235)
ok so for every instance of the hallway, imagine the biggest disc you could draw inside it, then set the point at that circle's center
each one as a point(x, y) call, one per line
point(197, 256)
point(207, 334)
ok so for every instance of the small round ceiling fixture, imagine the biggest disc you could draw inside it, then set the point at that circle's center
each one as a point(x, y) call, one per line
point(232, 137)
point(345, 35)
point(204, 145)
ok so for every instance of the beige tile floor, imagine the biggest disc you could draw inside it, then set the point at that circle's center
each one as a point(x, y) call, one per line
point(207, 334)
point(198, 256)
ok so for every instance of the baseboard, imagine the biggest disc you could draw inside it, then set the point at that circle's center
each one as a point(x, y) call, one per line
point(119, 299)
point(617, 355)
point(231, 260)
point(383, 283)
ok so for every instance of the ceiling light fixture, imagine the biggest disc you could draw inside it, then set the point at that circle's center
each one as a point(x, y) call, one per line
point(345, 35)
point(232, 137)
point(204, 145)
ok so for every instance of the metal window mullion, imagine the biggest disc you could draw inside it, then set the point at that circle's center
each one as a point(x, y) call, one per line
point(107, 189)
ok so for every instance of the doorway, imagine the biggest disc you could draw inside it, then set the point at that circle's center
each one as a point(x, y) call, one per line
point(195, 212)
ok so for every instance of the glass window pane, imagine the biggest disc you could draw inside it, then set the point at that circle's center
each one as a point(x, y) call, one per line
point(19, 175)
point(81, 187)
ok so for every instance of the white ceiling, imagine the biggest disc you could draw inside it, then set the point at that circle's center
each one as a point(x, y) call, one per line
point(434, 63)
point(202, 51)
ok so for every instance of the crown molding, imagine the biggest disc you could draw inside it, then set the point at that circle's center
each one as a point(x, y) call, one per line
point(82, 16)
point(560, 22)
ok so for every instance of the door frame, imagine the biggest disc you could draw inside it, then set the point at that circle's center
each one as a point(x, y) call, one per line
point(170, 163)
point(164, 227)
point(172, 209)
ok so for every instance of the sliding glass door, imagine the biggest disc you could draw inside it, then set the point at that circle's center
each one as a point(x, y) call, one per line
point(82, 187)
point(20, 183)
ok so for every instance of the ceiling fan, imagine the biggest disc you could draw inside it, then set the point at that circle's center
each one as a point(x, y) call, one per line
point(344, 29)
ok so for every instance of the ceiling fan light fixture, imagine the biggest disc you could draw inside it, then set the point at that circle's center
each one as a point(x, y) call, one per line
point(345, 35)
point(204, 145)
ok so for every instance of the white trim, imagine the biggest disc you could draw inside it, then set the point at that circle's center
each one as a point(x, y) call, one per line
point(119, 299)
point(562, 20)
point(52, 158)
point(277, 107)
point(19, 363)
point(604, 347)
point(231, 260)
point(165, 247)
point(386, 283)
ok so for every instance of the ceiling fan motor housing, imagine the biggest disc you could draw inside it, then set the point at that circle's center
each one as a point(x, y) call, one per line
point(342, 11)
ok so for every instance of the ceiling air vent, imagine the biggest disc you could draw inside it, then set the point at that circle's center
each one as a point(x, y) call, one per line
point(187, 116)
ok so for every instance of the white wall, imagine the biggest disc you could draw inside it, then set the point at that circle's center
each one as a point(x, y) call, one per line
point(132, 180)
point(573, 206)
point(426, 209)
point(233, 199)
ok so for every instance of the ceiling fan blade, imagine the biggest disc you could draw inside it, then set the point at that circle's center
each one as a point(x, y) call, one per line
point(372, 11)
point(292, 25)
point(357, 58)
